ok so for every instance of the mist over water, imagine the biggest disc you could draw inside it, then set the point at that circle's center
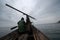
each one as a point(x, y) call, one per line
point(52, 31)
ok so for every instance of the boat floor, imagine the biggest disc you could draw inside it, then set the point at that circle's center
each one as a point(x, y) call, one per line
point(17, 36)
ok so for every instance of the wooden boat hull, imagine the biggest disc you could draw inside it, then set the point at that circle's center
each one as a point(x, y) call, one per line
point(37, 35)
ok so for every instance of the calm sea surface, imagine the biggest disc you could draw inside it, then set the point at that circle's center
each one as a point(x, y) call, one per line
point(52, 31)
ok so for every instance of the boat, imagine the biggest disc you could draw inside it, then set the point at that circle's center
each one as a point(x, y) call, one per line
point(35, 35)
point(32, 34)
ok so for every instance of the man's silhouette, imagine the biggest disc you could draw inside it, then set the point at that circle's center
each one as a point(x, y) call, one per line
point(21, 26)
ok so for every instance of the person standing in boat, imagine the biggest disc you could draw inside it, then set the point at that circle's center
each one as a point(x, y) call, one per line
point(28, 25)
point(21, 26)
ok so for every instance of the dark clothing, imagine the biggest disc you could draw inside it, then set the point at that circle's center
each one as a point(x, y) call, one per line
point(27, 19)
point(21, 26)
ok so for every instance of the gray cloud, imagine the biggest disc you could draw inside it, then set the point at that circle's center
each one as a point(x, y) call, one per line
point(45, 11)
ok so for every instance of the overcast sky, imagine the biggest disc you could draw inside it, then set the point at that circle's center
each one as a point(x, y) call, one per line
point(45, 11)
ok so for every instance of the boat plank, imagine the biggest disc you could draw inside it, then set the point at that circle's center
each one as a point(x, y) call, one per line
point(38, 35)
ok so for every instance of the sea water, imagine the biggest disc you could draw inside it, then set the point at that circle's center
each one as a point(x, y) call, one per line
point(5, 30)
point(52, 31)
